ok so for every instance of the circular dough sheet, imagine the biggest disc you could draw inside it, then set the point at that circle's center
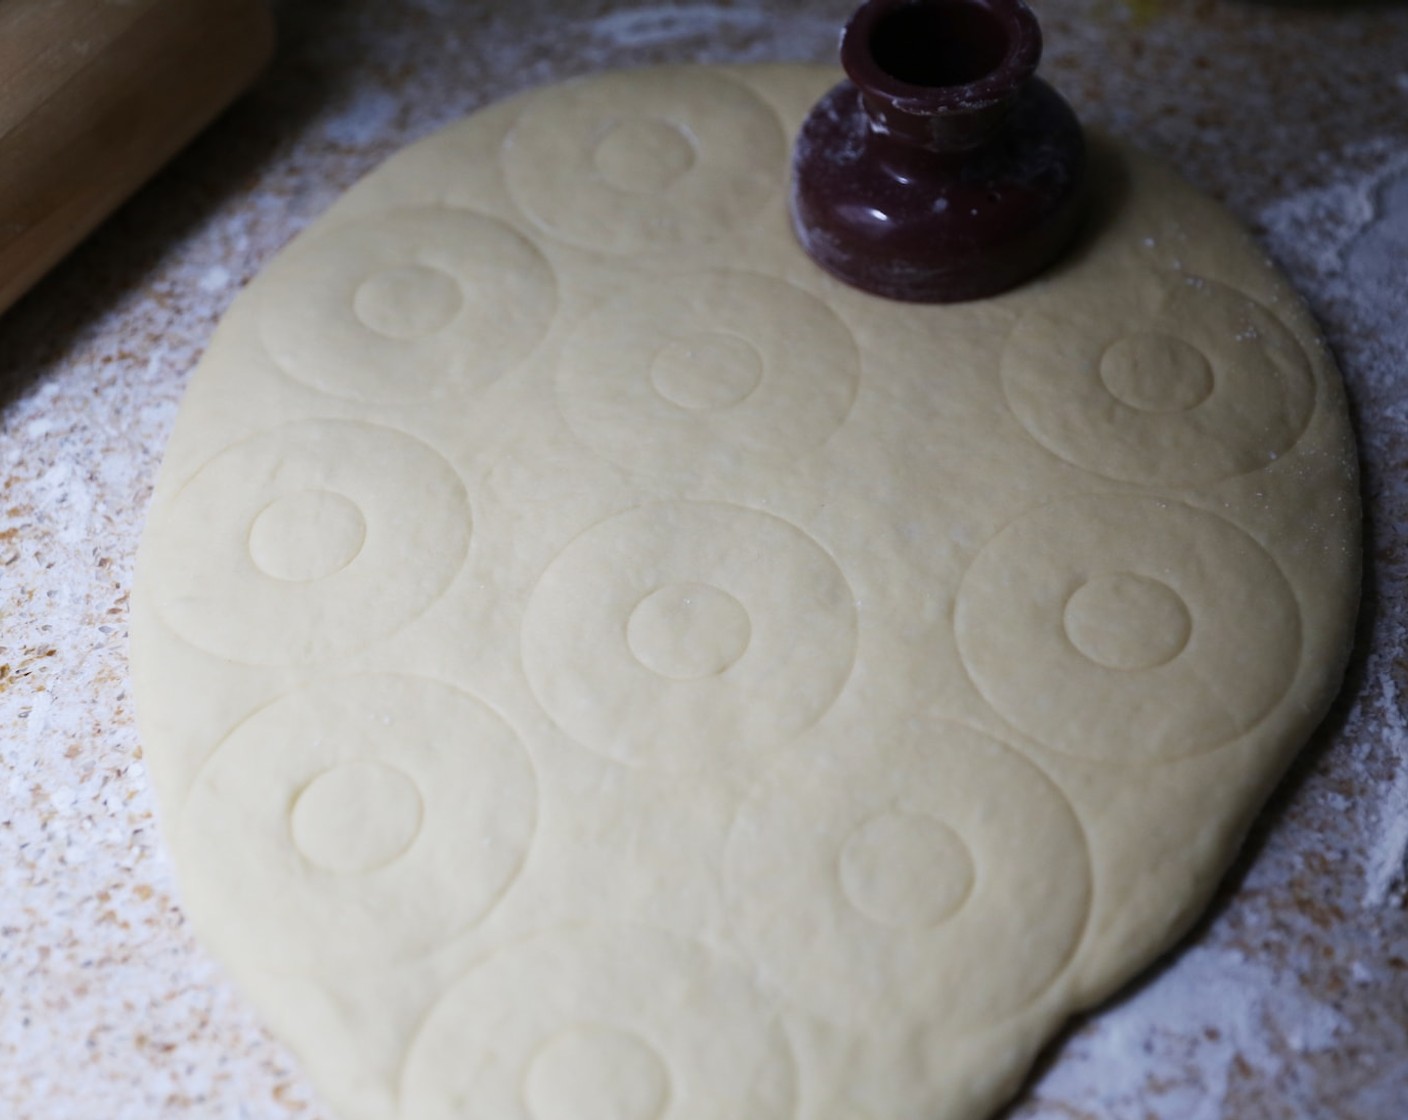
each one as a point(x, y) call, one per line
point(634, 677)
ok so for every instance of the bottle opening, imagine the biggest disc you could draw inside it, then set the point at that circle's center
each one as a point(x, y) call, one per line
point(939, 43)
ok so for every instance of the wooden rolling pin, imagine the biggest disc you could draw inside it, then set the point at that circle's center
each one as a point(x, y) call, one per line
point(95, 95)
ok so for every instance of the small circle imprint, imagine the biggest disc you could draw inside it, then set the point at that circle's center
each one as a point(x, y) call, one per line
point(409, 301)
point(1155, 372)
point(596, 1072)
point(1125, 621)
point(356, 817)
point(307, 535)
point(705, 370)
point(906, 870)
point(686, 631)
point(643, 154)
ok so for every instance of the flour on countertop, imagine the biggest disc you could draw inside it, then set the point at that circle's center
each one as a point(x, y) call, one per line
point(1350, 241)
point(1169, 1021)
point(650, 26)
point(765, 37)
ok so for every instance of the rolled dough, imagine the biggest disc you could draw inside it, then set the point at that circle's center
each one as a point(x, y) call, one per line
point(596, 667)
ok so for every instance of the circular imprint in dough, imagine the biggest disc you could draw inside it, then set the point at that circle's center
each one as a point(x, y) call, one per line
point(1167, 380)
point(1127, 629)
point(596, 1073)
point(356, 817)
point(408, 302)
point(820, 858)
point(688, 630)
point(1156, 373)
point(306, 536)
point(1124, 621)
point(298, 544)
point(623, 1023)
point(277, 864)
point(706, 369)
point(406, 305)
point(629, 162)
point(906, 870)
point(776, 625)
point(643, 155)
point(702, 375)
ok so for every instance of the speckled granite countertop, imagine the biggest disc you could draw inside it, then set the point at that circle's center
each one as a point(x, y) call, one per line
point(1291, 999)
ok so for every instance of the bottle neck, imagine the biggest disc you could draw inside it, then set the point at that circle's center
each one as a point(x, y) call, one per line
point(944, 130)
point(940, 74)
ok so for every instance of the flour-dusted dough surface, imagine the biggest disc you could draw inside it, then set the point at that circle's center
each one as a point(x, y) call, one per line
point(595, 666)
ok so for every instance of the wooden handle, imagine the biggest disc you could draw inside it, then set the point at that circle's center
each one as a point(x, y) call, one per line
point(95, 95)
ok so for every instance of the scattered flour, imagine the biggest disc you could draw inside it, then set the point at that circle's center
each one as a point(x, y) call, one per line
point(1350, 240)
point(111, 1010)
point(651, 26)
point(364, 117)
point(1170, 1024)
point(713, 33)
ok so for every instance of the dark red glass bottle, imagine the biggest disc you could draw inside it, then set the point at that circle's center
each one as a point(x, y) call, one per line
point(943, 170)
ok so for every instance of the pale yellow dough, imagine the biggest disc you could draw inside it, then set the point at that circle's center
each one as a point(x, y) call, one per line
point(596, 667)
